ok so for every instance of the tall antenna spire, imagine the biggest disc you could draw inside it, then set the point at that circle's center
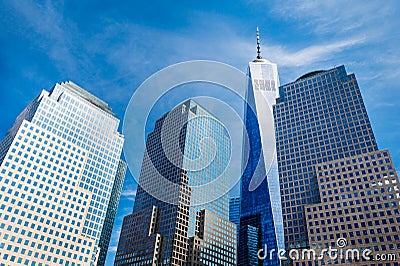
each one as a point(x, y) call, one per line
point(258, 45)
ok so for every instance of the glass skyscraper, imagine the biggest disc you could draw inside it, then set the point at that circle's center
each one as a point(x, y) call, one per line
point(58, 166)
point(111, 212)
point(320, 117)
point(173, 221)
point(234, 211)
point(338, 190)
point(260, 194)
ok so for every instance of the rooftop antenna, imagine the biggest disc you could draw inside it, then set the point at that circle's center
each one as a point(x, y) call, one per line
point(258, 45)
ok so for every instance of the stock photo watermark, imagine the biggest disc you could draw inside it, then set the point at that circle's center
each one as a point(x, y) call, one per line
point(341, 253)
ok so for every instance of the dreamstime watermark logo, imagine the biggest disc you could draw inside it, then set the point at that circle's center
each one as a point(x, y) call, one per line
point(340, 254)
point(341, 242)
point(146, 97)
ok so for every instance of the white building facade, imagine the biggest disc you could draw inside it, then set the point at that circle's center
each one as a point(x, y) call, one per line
point(58, 164)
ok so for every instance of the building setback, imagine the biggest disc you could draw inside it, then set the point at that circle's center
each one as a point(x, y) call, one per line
point(58, 166)
point(172, 223)
point(338, 190)
point(319, 118)
point(214, 242)
point(360, 205)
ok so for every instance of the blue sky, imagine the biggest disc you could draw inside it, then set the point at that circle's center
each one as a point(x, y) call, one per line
point(109, 48)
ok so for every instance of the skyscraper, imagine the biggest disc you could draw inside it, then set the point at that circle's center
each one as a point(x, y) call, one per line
point(319, 118)
point(260, 195)
point(59, 163)
point(111, 212)
point(214, 242)
point(234, 211)
point(359, 209)
point(175, 221)
point(338, 190)
point(249, 252)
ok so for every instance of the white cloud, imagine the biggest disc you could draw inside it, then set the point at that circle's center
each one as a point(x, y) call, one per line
point(334, 16)
point(311, 54)
point(48, 29)
point(129, 193)
point(112, 249)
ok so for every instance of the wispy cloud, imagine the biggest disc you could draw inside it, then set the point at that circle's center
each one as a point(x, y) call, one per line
point(113, 57)
point(112, 249)
point(114, 239)
point(129, 193)
point(136, 51)
point(334, 16)
point(311, 54)
point(51, 31)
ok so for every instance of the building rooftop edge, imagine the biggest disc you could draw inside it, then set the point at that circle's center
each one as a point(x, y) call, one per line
point(87, 96)
point(315, 73)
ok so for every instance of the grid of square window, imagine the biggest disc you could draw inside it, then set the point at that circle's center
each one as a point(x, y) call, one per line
point(360, 202)
point(173, 155)
point(214, 242)
point(318, 118)
point(59, 160)
point(42, 208)
point(140, 244)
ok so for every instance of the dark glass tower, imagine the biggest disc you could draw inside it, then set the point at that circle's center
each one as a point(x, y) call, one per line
point(234, 211)
point(173, 221)
point(260, 196)
point(234, 214)
point(320, 117)
point(111, 213)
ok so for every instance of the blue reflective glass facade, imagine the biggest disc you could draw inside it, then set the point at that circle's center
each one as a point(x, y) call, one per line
point(190, 149)
point(234, 212)
point(111, 212)
point(207, 154)
point(260, 194)
point(249, 252)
